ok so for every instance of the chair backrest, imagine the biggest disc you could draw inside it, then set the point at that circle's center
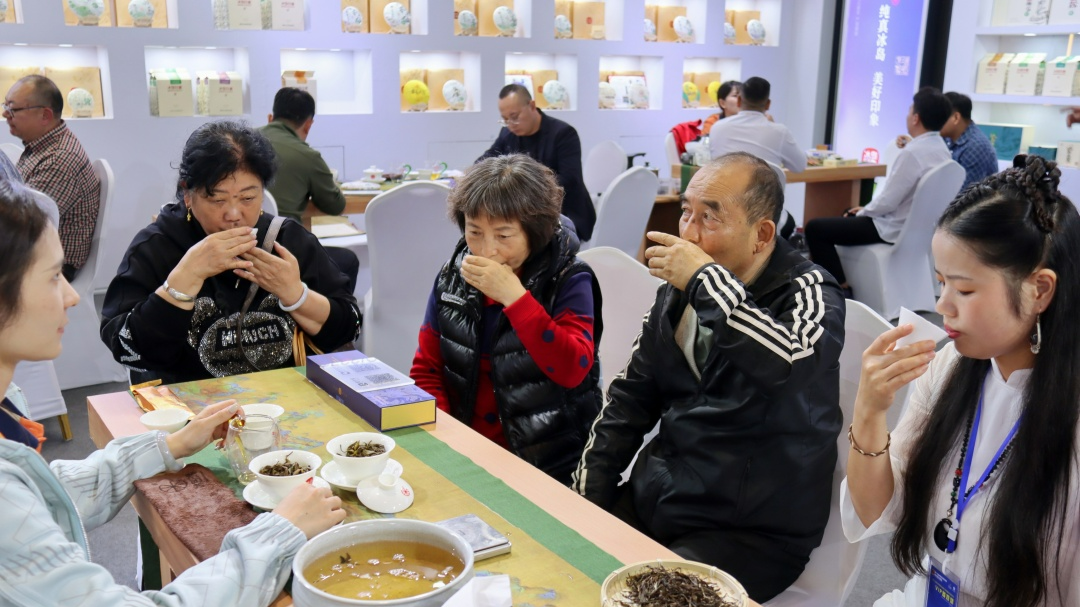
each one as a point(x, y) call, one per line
point(269, 204)
point(84, 280)
point(409, 239)
point(602, 165)
point(935, 190)
point(671, 150)
point(48, 205)
point(624, 211)
point(834, 565)
point(13, 151)
point(629, 291)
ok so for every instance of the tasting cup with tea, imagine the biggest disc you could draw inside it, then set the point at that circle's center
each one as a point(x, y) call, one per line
point(280, 486)
point(358, 468)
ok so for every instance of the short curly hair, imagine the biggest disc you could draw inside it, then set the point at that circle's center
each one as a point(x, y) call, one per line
point(218, 149)
point(510, 187)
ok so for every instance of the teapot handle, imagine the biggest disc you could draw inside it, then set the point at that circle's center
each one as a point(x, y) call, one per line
point(438, 173)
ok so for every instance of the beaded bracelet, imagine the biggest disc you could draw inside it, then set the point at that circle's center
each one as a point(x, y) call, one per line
point(855, 446)
point(299, 302)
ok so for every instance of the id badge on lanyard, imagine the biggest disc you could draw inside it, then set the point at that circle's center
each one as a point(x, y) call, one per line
point(942, 586)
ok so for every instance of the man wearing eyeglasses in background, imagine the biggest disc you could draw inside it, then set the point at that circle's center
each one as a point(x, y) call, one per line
point(549, 141)
point(55, 163)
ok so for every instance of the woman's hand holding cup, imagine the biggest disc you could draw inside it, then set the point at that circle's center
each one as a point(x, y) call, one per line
point(886, 369)
point(217, 253)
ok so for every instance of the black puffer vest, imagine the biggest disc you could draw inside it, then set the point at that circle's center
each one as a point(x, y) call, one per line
point(544, 424)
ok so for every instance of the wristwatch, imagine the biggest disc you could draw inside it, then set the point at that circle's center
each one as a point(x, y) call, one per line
point(177, 295)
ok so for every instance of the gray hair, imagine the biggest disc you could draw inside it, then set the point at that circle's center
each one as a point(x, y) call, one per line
point(510, 187)
point(764, 196)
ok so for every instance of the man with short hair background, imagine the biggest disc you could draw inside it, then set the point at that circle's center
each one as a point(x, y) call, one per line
point(969, 145)
point(738, 360)
point(752, 131)
point(302, 173)
point(881, 220)
point(54, 162)
point(551, 142)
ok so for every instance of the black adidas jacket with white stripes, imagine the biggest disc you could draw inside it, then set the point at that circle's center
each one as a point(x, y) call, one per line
point(752, 445)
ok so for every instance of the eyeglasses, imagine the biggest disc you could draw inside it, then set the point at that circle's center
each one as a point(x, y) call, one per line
point(7, 109)
point(515, 119)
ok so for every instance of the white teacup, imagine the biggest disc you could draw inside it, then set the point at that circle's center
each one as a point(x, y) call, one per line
point(357, 469)
point(280, 486)
point(168, 420)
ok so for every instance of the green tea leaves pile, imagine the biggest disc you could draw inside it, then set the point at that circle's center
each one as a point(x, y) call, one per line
point(663, 587)
point(368, 449)
point(284, 468)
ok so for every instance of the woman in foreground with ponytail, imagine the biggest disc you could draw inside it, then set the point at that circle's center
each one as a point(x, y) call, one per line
point(980, 479)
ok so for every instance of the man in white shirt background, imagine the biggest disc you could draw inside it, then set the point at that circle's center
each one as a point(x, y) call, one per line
point(882, 219)
point(753, 132)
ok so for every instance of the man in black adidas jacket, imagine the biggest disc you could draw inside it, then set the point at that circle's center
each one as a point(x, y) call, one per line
point(738, 361)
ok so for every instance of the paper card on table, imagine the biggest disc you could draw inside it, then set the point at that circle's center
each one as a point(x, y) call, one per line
point(924, 329)
point(487, 591)
point(331, 227)
point(486, 541)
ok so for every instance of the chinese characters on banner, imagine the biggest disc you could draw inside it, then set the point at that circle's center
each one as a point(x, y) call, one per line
point(882, 38)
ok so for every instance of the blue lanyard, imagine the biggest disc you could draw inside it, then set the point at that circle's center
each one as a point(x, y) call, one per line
point(963, 498)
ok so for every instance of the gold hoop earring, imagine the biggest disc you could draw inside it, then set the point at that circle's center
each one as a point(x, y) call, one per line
point(1036, 337)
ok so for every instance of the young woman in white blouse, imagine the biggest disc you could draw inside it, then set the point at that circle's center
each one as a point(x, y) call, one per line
point(980, 480)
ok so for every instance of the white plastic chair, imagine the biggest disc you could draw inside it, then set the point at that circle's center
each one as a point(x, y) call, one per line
point(624, 211)
point(629, 291)
point(602, 165)
point(671, 151)
point(834, 565)
point(409, 239)
point(40, 386)
point(13, 151)
point(268, 203)
point(886, 277)
point(84, 360)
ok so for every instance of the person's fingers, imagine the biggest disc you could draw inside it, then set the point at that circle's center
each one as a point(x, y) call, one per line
point(886, 339)
point(221, 409)
point(663, 238)
point(659, 251)
point(283, 252)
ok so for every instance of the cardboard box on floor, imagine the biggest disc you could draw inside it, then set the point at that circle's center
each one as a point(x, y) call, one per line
point(486, 16)
point(462, 5)
point(365, 25)
point(161, 15)
point(435, 81)
point(87, 78)
point(589, 21)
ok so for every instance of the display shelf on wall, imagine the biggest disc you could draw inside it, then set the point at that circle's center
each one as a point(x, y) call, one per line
point(582, 22)
point(662, 14)
point(418, 17)
point(155, 14)
point(436, 69)
point(1028, 30)
point(770, 11)
point(704, 68)
point(13, 13)
point(343, 77)
point(19, 59)
point(652, 68)
point(490, 20)
point(1027, 100)
point(282, 15)
point(543, 66)
point(201, 59)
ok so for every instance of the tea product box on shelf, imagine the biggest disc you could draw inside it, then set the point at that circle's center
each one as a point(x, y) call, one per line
point(435, 81)
point(1068, 154)
point(703, 80)
point(355, 18)
point(993, 71)
point(564, 19)
point(287, 15)
point(1064, 11)
point(81, 88)
point(1021, 12)
point(381, 395)
point(220, 93)
point(377, 11)
point(461, 6)
point(1048, 152)
point(86, 13)
point(539, 79)
point(1062, 78)
point(8, 15)
point(170, 93)
point(142, 13)
point(1026, 74)
point(589, 21)
point(1009, 139)
point(301, 79)
point(486, 14)
point(742, 18)
point(665, 19)
point(239, 14)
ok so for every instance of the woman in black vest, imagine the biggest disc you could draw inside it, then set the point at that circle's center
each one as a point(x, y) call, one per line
point(509, 341)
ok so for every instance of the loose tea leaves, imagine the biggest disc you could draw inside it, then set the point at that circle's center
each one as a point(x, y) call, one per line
point(663, 587)
point(368, 449)
point(285, 468)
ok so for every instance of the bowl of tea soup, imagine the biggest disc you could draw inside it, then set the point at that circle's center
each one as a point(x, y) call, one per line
point(360, 454)
point(399, 562)
point(278, 472)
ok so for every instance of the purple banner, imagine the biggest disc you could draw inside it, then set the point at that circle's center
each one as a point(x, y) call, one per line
point(879, 72)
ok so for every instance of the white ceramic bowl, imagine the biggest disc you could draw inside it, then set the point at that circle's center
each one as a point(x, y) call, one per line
point(306, 595)
point(268, 409)
point(168, 420)
point(359, 468)
point(280, 486)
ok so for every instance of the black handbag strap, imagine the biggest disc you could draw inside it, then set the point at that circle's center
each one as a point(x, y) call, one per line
point(268, 246)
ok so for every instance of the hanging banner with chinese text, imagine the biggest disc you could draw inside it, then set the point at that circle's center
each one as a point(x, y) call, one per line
point(879, 72)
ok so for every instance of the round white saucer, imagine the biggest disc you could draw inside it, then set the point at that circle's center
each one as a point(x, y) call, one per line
point(333, 475)
point(386, 493)
point(255, 495)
